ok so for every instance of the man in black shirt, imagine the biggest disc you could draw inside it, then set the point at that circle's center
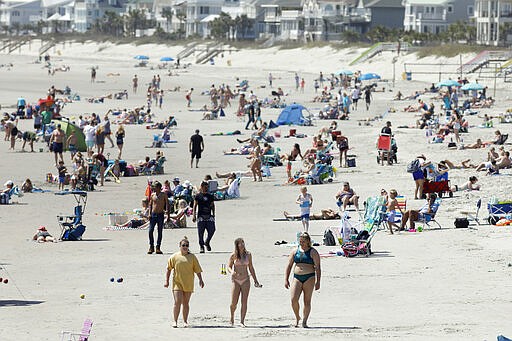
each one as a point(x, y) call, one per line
point(386, 129)
point(204, 214)
point(196, 147)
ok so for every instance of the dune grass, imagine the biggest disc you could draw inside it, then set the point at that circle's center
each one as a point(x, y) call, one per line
point(451, 50)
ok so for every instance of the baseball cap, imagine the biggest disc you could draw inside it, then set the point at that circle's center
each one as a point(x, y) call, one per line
point(9, 183)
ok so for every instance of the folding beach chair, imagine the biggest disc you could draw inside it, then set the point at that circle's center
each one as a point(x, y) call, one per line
point(429, 219)
point(473, 216)
point(81, 336)
point(384, 148)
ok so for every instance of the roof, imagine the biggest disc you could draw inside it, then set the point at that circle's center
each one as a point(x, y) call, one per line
point(53, 3)
point(427, 2)
point(385, 3)
point(210, 18)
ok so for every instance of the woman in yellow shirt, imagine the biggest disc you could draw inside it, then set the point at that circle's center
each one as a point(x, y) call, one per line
point(185, 264)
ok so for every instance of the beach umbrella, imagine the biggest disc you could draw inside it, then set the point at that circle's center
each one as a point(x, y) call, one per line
point(141, 57)
point(473, 86)
point(448, 82)
point(166, 59)
point(344, 72)
point(369, 76)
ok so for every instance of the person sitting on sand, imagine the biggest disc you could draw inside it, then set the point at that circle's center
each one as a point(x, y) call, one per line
point(142, 218)
point(27, 186)
point(293, 154)
point(259, 134)
point(324, 214)
point(470, 185)
point(179, 219)
point(398, 96)
point(42, 235)
point(412, 216)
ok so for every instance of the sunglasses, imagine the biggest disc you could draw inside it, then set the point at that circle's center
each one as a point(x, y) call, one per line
point(184, 245)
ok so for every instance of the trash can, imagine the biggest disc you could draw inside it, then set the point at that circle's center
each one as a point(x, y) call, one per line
point(408, 76)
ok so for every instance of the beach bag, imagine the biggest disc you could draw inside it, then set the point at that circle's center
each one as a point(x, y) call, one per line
point(363, 235)
point(413, 166)
point(74, 233)
point(329, 239)
point(130, 171)
point(461, 223)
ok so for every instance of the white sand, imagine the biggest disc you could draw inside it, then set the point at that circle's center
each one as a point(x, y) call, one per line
point(448, 284)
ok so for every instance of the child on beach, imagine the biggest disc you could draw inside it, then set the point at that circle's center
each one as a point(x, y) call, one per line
point(62, 174)
point(305, 201)
point(392, 206)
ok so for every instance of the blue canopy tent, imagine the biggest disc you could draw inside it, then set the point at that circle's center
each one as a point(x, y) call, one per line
point(293, 114)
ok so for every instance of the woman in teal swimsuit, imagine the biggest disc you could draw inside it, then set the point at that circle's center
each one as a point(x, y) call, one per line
point(307, 267)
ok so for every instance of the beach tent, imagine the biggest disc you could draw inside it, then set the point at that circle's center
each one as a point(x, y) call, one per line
point(292, 114)
point(68, 127)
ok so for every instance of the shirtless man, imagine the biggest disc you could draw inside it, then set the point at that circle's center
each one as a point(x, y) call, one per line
point(158, 205)
point(71, 143)
point(392, 207)
point(57, 142)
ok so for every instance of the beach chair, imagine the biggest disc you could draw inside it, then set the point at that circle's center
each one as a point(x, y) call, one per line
point(498, 210)
point(81, 336)
point(158, 168)
point(384, 148)
point(360, 243)
point(272, 160)
point(6, 198)
point(473, 216)
point(429, 219)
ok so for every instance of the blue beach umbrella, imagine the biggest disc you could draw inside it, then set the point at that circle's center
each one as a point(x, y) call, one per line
point(344, 72)
point(166, 59)
point(448, 82)
point(473, 86)
point(141, 57)
point(369, 76)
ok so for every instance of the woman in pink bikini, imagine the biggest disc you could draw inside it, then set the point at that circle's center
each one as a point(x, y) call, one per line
point(240, 264)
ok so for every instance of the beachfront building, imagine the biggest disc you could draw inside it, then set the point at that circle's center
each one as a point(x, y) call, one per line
point(491, 16)
point(88, 12)
point(434, 16)
point(199, 13)
point(387, 13)
point(18, 13)
point(59, 14)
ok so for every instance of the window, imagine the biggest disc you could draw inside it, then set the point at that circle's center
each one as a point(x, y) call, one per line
point(15, 13)
point(204, 10)
point(471, 10)
point(450, 9)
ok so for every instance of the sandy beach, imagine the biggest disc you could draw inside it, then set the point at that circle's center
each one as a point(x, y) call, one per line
point(438, 284)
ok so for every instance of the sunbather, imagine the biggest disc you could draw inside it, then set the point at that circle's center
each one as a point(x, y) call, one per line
point(325, 214)
point(347, 196)
point(293, 154)
point(468, 186)
point(42, 235)
point(142, 219)
point(450, 165)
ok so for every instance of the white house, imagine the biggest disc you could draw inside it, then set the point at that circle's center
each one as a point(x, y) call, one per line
point(489, 16)
point(87, 12)
point(434, 16)
point(22, 12)
point(60, 13)
point(199, 14)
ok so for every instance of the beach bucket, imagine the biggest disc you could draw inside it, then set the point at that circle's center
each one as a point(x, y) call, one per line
point(41, 150)
point(293, 132)
point(277, 134)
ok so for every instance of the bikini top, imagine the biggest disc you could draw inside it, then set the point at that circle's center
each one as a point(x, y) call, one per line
point(303, 257)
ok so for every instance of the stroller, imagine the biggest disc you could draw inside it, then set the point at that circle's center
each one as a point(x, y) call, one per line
point(71, 225)
point(359, 243)
point(387, 149)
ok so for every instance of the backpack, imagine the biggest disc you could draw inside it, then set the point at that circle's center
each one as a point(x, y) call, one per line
point(329, 239)
point(74, 233)
point(413, 166)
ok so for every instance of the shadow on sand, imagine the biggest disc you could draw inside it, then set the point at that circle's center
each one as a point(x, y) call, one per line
point(18, 303)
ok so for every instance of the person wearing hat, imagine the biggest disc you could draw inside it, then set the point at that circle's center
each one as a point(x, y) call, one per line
point(196, 147)
point(386, 129)
point(57, 142)
point(42, 235)
point(204, 213)
point(158, 205)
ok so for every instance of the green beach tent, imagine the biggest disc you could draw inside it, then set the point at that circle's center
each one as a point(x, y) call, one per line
point(68, 127)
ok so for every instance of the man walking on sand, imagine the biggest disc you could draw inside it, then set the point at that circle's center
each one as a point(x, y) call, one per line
point(188, 97)
point(135, 83)
point(204, 213)
point(196, 147)
point(158, 205)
